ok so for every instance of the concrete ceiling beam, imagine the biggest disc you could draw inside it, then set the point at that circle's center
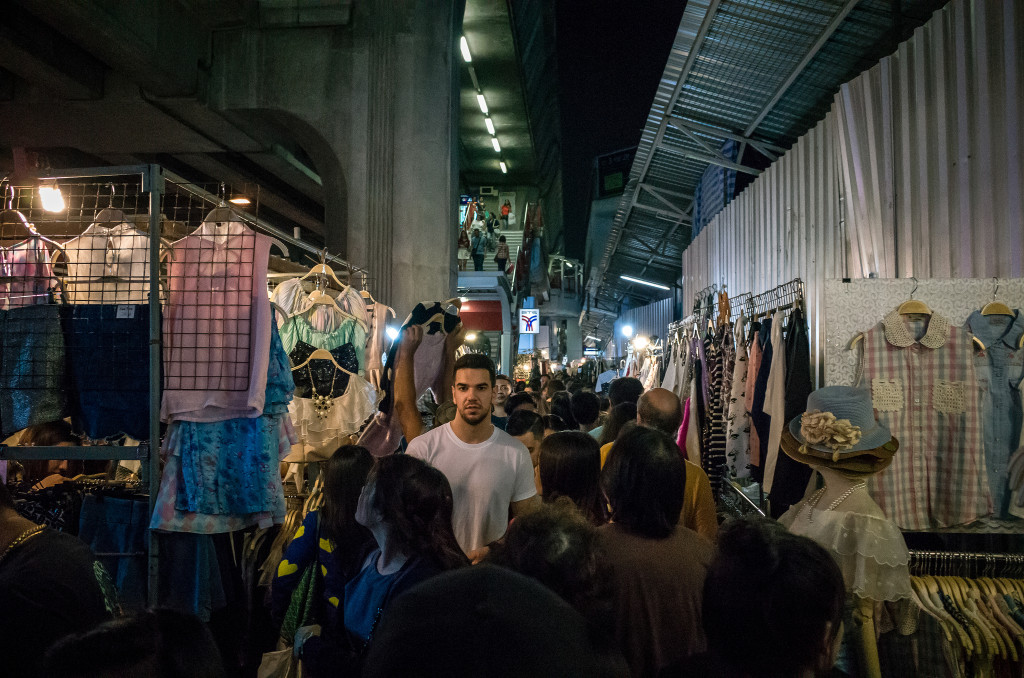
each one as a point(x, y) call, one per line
point(41, 56)
point(159, 45)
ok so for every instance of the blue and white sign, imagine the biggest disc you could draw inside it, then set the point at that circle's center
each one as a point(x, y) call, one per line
point(529, 321)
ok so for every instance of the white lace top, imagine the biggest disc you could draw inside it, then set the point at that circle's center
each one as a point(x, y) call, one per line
point(870, 551)
point(323, 435)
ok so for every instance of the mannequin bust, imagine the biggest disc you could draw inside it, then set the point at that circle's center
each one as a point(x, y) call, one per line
point(844, 504)
point(839, 483)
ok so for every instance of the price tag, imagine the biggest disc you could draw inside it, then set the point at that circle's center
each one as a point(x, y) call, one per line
point(125, 311)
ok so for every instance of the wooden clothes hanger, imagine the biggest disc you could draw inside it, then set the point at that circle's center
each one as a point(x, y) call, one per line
point(320, 297)
point(322, 269)
point(322, 354)
point(914, 306)
point(996, 307)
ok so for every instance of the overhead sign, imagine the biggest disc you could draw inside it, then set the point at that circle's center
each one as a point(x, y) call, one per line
point(529, 321)
point(591, 352)
point(612, 172)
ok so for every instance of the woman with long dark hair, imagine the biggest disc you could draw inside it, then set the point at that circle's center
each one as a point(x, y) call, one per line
point(570, 466)
point(620, 415)
point(406, 505)
point(561, 404)
point(657, 565)
point(331, 537)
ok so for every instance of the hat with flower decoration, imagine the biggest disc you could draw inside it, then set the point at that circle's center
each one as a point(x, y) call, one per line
point(839, 429)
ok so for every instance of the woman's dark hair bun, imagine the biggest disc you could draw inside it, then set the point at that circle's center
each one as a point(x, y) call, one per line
point(752, 543)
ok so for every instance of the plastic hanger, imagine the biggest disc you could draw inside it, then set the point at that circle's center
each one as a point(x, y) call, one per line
point(223, 214)
point(13, 216)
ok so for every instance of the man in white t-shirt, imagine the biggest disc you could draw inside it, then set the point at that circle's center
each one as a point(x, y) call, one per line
point(490, 471)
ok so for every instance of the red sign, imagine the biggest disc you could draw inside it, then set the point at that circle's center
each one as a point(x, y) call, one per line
point(483, 316)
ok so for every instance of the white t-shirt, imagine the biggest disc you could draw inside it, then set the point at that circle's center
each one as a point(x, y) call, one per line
point(485, 478)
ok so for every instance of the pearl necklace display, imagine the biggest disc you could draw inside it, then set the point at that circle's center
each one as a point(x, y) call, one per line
point(816, 497)
point(322, 404)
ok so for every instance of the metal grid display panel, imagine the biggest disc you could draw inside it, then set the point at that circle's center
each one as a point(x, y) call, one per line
point(74, 294)
point(211, 275)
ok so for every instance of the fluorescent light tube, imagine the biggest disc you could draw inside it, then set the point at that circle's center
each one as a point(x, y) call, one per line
point(504, 168)
point(490, 126)
point(483, 103)
point(645, 282)
point(464, 46)
point(497, 149)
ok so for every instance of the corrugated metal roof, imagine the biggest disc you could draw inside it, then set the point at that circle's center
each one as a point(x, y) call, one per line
point(759, 72)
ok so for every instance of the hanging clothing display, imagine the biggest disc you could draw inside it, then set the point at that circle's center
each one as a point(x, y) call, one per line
point(999, 368)
point(920, 370)
point(32, 368)
point(108, 403)
point(790, 477)
point(737, 433)
point(737, 384)
point(225, 475)
point(108, 265)
point(946, 365)
point(377, 340)
point(383, 435)
point(299, 330)
point(216, 325)
point(26, 277)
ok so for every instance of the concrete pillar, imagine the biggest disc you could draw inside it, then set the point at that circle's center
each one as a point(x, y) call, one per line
point(375, 105)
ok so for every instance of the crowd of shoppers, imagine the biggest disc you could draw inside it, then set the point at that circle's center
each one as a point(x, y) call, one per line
point(505, 541)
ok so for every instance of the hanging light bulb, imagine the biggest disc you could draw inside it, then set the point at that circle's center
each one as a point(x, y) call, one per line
point(51, 198)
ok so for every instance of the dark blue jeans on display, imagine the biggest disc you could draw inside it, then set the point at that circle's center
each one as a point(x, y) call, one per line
point(190, 580)
point(108, 360)
point(116, 525)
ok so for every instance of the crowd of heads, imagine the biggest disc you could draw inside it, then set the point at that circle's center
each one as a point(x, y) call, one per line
point(770, 599)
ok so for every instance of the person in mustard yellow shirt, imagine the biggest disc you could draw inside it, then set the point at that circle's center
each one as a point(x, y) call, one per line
point(660, 409)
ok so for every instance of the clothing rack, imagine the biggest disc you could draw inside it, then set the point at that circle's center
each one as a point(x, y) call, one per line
point(738, 305)
point(151, 187)
point(971, 565)
point(152, 191)
point(776, 299)
point(181, 184)
point(699, 297)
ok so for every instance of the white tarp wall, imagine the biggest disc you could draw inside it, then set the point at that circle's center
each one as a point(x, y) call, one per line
point(918, 170)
